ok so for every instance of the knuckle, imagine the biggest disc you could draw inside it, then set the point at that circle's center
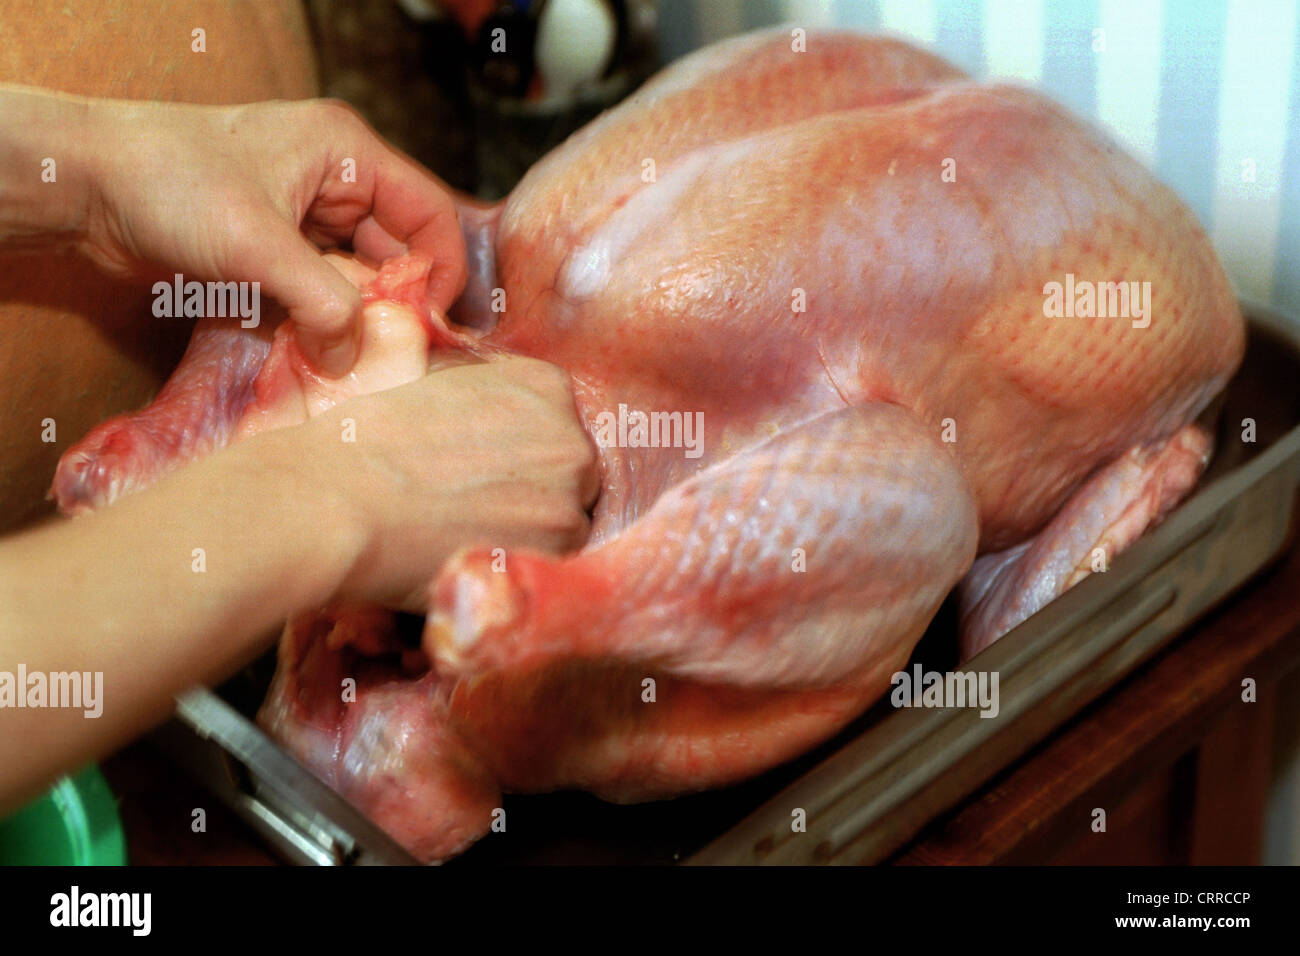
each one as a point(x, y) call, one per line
point(329, 111)
point(574, 528)
point(564, 513)
point(543, 376)
point(555, 378)
point(566, 448)
point(584, 451)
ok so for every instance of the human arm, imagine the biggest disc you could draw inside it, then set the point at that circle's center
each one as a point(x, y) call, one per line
point(287, 520)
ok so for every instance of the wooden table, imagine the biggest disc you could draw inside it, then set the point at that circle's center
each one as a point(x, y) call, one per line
point(1178, 761)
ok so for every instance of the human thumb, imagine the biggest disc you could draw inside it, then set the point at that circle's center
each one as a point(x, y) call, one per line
point(322, 304)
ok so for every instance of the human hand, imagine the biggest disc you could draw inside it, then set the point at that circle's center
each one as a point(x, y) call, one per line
point(252, 193)
point(490, 454)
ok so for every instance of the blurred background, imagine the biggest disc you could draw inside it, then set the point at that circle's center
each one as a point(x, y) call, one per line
point(479, 90)
point(1205, 92)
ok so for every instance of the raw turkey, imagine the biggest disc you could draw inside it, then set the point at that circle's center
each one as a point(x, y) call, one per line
point(838, 261)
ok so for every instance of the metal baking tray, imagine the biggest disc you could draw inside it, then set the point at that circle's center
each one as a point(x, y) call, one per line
point(871, 789)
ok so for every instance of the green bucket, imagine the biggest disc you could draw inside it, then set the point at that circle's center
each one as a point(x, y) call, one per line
point(74, 824)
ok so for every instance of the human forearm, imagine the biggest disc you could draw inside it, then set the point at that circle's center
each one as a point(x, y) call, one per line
point(479, 454)
point(45, 167)
point(124, 593)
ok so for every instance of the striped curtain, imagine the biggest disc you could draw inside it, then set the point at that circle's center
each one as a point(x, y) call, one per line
point(1205, 92)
